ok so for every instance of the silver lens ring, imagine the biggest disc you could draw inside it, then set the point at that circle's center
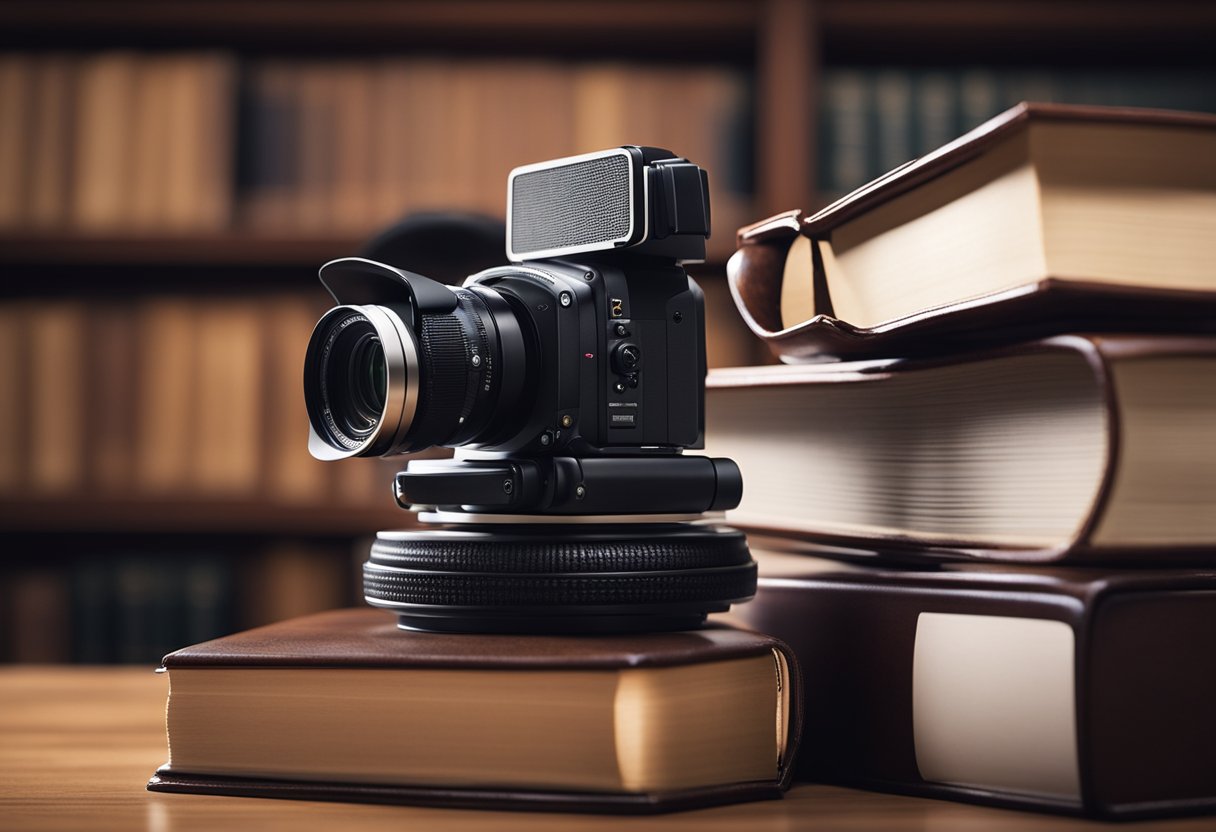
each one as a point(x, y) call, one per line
point(327, 438)
point(401, 397)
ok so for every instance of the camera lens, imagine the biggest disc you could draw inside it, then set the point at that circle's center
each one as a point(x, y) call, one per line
point(360, 375)
point(367, 376)
point(377, 385)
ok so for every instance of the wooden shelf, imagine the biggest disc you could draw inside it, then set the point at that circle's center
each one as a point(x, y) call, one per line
point(219, 250)
point(672, 29)
point(224, 248)
point(140, 515)
point(711, 29)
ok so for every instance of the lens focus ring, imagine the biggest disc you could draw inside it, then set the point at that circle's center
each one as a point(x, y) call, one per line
point(443, 380)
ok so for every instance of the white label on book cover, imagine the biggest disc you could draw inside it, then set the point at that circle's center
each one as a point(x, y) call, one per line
point(993, 703)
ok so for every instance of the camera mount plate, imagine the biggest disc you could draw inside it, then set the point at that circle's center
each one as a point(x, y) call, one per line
point(443, 516)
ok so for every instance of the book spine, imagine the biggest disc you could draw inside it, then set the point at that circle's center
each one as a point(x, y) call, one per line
point(51, 139)
point(57, 416)
point(16, 104)
point(227, 448)
point(270, 169)
point(936, 103)
point(112, 393)
point(35, 628)
point(14, 393)
point(893, 120)
point(166, 411)
point(294, 578)
point(155, 142)
point(974, 689)
point(844, 108)
point(353, 174)
point(292, 475)
point(104, 156)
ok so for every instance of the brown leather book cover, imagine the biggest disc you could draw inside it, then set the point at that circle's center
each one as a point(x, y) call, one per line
point(1132, 397)
point(1049, 306)
point(368, 639)
point(1081, 691)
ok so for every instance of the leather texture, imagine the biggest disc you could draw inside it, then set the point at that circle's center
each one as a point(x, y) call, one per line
point(918, 171)
point(367, 638)
point(1048, 307)
point(523, 801)
point(370, 638)
point(1145, 680)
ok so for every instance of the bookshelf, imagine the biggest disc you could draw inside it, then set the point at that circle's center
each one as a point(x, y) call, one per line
point(778, 58)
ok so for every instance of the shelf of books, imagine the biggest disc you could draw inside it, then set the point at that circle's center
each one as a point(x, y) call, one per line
point(171, 175)
point(131, 143)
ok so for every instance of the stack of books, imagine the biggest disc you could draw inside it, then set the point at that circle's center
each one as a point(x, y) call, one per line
point(987, 470)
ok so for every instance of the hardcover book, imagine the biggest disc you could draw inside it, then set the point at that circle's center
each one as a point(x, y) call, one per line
point(345, 706)
point(1075, 449)
point(1046, 219)
point(1082, 691)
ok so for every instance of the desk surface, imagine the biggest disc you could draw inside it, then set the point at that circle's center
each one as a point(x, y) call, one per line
point(78, 744)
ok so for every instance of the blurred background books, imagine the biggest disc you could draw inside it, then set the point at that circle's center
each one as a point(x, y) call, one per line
point(171, 176)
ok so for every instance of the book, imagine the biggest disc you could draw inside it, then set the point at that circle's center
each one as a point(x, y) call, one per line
point(14, 384)
point(344, 706)
point(16, 94)
point(271, 146)
point(1083, 691)
point(156, 123)
point(110, 389)
point(291, 474)
point(103, 164)
point(56, 406)
point(213, 83)
point(228, 445)
point(167, 407)
point(1047, 218)
point(1073, 448)
point(35, 630)
point(354, 181)
point(291, 579)
point(50, 131)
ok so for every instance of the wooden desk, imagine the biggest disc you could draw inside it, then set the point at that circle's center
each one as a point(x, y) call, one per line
point(78, 744)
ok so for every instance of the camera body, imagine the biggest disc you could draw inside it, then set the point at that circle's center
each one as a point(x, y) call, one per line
point(622, 356)
point(571, 380)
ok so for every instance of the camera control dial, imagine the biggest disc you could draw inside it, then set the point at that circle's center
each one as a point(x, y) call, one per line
point(626, 358)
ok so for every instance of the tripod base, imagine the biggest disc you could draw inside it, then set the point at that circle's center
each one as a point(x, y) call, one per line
point(558, 579)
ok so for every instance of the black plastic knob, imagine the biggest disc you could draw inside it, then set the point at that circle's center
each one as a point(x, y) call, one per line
point(626, 358)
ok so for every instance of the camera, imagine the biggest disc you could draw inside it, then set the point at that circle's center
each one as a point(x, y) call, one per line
point(570, 381)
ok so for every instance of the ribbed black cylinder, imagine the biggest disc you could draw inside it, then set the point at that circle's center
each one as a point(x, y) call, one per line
point(390, 586)
point(442, 388)
point(559, 578)
point(577, 552)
